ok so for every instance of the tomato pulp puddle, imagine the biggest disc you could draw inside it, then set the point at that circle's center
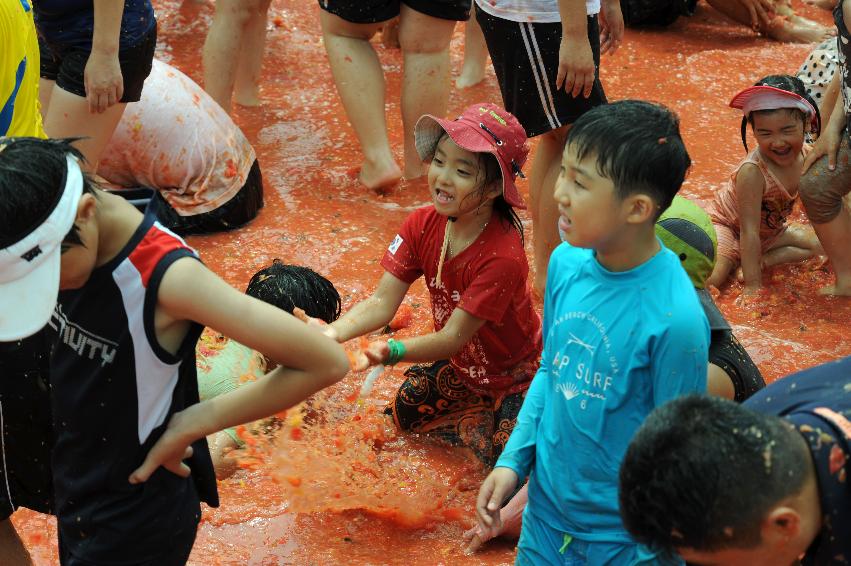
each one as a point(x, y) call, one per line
point(339, 485)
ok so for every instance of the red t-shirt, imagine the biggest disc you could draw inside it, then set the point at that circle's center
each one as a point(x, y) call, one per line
point(487, 280)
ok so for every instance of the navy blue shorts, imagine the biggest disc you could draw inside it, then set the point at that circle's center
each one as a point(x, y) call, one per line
point(374, 11)
point(66, 65)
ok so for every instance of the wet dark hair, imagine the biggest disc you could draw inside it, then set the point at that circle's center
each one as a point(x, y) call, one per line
point(489, 173)
point(290, 286)
point(702, 472)
point(789, 84)
point(638, 147)
point(32, 178)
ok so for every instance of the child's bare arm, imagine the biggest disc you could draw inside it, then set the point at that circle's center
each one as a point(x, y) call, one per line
point(309, 360)
point(372, 313)
point(441, 345)
point(750, 185)
point(575, 59)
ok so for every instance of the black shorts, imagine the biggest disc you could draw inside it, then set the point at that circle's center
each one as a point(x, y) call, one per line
point(726, 352)
point(236, 212)
point(433, 401)
point(525, 58)
point(26, 478)
point(66, 65)
point(655, 13)
point(374, 11)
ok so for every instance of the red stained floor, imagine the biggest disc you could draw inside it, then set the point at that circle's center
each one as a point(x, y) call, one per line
point(351, 491)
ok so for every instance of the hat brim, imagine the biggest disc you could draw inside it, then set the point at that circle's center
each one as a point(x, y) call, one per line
point(428, 131)
point(713, 314)
point(26, 304)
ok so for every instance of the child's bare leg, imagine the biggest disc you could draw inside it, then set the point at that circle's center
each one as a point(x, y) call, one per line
point(360, 83)
point(797, 243)
point(222, 48)
point(824, 193)
point(475, 55)
point(68, 116)
point(721, 271)
point(45, 90)
point(12, 549)
point(543, 207)
point(247, 83)
point(425, 78)
point(834, 237)
point(779, 28)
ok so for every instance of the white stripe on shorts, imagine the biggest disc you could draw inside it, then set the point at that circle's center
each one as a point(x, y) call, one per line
point(3, 451)
point(527, 31)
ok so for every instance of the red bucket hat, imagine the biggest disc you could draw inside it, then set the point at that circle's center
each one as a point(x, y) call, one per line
point(481, 128)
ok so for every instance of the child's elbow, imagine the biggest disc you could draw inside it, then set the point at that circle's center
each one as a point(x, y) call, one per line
point(337, 368)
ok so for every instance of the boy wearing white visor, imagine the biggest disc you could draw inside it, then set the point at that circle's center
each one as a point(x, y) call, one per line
point(132, 299)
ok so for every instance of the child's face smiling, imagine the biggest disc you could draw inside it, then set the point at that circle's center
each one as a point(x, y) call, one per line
point(780, 136)
point(589, 210)
point(453, 178)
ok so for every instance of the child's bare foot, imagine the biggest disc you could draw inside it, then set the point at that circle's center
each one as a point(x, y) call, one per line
point(781, 29)
point(471, 75)
point(377, 177)
point(247, 97)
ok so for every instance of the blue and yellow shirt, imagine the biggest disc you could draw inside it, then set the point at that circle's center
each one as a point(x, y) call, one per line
point(19, 71)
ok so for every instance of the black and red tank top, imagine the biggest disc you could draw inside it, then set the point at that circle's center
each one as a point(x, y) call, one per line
point(114, 390)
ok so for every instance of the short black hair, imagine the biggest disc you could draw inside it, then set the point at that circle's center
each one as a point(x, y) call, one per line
point(789, 84)
point(32, 178)
point(702, 472)
point(290, 286)
point(638, 146)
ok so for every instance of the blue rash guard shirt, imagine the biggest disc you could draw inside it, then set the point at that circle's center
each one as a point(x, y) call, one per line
point(616, 345)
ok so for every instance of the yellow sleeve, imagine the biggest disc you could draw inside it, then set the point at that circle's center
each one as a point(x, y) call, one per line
point(19, 71)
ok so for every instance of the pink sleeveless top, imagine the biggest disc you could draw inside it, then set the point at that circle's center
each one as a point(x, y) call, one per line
point(777, 201)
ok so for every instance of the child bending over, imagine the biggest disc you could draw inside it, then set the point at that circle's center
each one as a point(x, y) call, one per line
point(469, 247)
point(751, 211)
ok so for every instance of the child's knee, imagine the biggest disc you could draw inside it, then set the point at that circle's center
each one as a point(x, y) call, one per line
point(821, 195)
point(822, 190)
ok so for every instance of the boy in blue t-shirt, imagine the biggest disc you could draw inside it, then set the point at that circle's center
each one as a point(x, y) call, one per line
point(623, 333)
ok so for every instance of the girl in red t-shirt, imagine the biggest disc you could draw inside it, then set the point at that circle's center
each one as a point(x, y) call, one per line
point(468, 245)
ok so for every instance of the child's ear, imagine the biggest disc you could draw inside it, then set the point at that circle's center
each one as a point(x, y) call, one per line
point(640, 208)
point(494, 190)
point(86, 208)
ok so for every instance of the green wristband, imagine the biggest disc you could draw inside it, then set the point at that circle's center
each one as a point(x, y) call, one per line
point(397, 352)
